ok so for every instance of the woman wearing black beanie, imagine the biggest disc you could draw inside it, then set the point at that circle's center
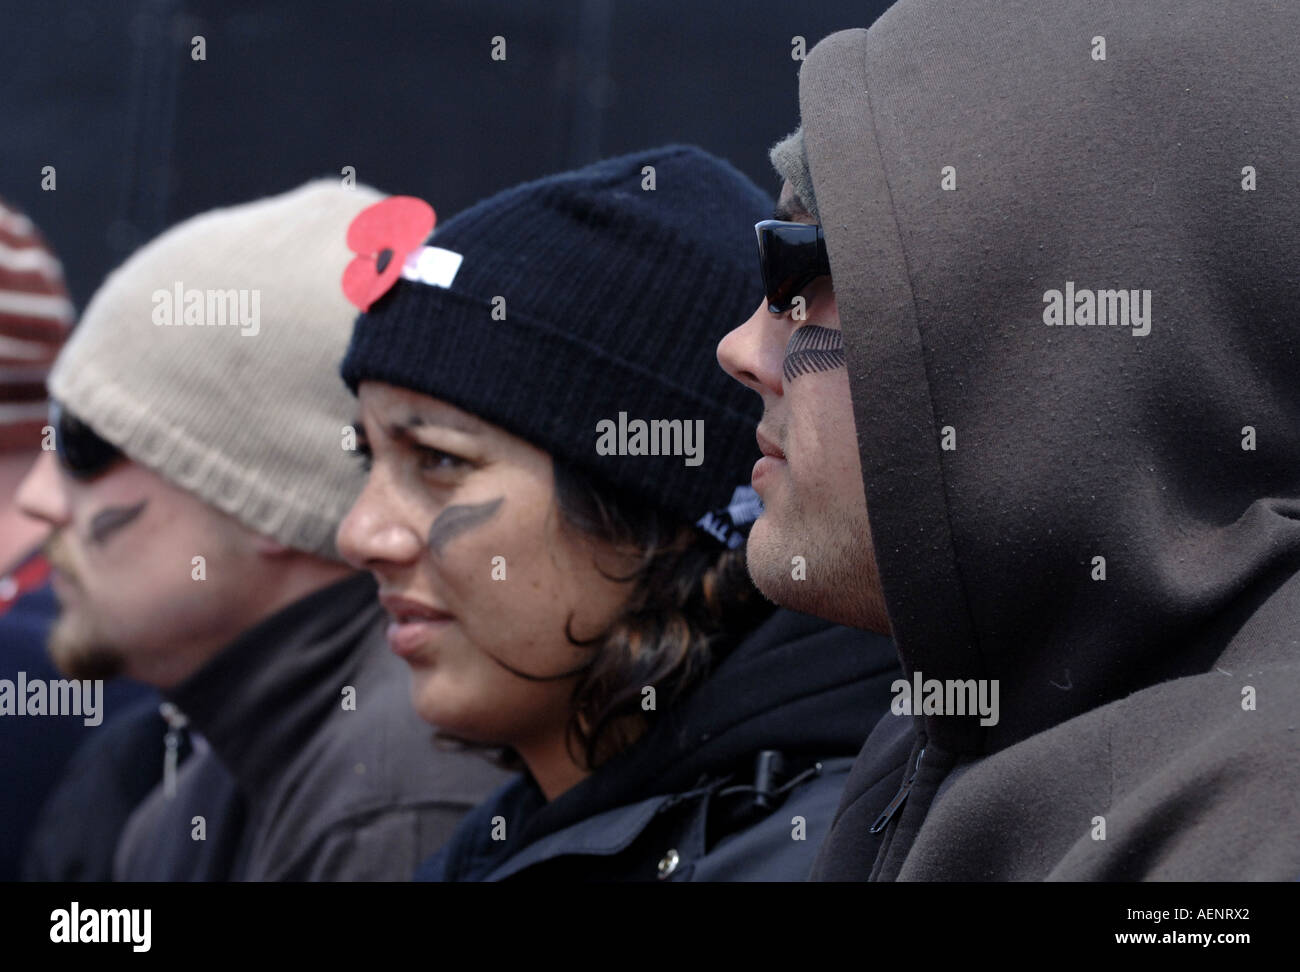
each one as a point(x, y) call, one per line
point(555, 514)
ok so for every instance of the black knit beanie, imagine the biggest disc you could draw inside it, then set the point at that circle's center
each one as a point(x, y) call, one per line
point(616, 282)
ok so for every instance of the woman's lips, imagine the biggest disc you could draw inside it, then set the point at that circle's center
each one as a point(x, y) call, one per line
point(413, 626)
point(407, 639)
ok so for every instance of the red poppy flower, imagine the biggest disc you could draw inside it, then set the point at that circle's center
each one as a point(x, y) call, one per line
point(382, 236)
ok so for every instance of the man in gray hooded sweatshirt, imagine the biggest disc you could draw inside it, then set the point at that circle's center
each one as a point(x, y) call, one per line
point(1062, 340)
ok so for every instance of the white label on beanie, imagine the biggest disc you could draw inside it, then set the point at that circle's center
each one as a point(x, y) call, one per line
point(432, 265)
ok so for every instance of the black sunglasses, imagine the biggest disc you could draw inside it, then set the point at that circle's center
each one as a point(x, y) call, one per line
point(80, 449)
point(790, 257)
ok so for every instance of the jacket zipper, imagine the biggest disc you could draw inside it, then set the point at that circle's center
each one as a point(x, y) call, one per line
point(899, 798)
point(176, 723)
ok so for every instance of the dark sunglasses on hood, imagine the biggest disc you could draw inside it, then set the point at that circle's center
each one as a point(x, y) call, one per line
point(81, 451)
point(790, 257)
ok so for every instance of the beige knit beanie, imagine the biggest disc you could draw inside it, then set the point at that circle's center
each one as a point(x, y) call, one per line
point(211, 356)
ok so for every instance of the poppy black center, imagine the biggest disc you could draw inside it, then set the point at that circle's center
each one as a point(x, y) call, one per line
point(385, 257)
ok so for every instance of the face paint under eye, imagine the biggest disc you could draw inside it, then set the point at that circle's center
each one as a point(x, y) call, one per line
point(455, 520)
point(113, 518)
point(813, 348)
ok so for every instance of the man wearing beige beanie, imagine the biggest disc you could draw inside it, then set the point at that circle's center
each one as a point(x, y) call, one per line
point(203, 464)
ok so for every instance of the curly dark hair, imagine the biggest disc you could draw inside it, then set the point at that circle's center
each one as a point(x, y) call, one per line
point(690, 603)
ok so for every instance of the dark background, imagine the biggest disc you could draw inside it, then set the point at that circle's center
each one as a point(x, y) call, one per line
point(141, 135)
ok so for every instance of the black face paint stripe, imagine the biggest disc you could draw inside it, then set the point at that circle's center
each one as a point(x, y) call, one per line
point(451, 523)
point(813, 348)
point(111, 519)
point(455, 520)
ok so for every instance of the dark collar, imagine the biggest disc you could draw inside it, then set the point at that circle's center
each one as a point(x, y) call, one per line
point(261, 698)
point(795, 684)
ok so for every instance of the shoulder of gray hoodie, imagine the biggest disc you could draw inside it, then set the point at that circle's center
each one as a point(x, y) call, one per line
point(365, 795)
point(971, 158)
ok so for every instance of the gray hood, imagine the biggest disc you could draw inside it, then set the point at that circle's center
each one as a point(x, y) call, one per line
point(1072, 441)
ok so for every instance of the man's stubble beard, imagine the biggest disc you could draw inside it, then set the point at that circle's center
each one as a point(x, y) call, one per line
point(841, 582)
point(77, 645)
point(79, 649)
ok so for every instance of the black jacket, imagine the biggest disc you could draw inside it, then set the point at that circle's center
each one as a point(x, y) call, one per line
point(54, 768)
point(112, 772)
point(327, 790)
point(736, 782)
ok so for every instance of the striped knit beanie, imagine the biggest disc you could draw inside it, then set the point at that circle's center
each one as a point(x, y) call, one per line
point(35, 316)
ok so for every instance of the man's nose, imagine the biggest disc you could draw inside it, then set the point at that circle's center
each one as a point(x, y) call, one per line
point(752, 352)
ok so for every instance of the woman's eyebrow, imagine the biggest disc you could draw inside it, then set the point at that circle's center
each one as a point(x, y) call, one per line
point(414, 421)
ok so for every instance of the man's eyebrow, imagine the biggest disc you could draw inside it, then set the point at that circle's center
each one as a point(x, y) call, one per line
point(792, 211)
point(785, 212)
